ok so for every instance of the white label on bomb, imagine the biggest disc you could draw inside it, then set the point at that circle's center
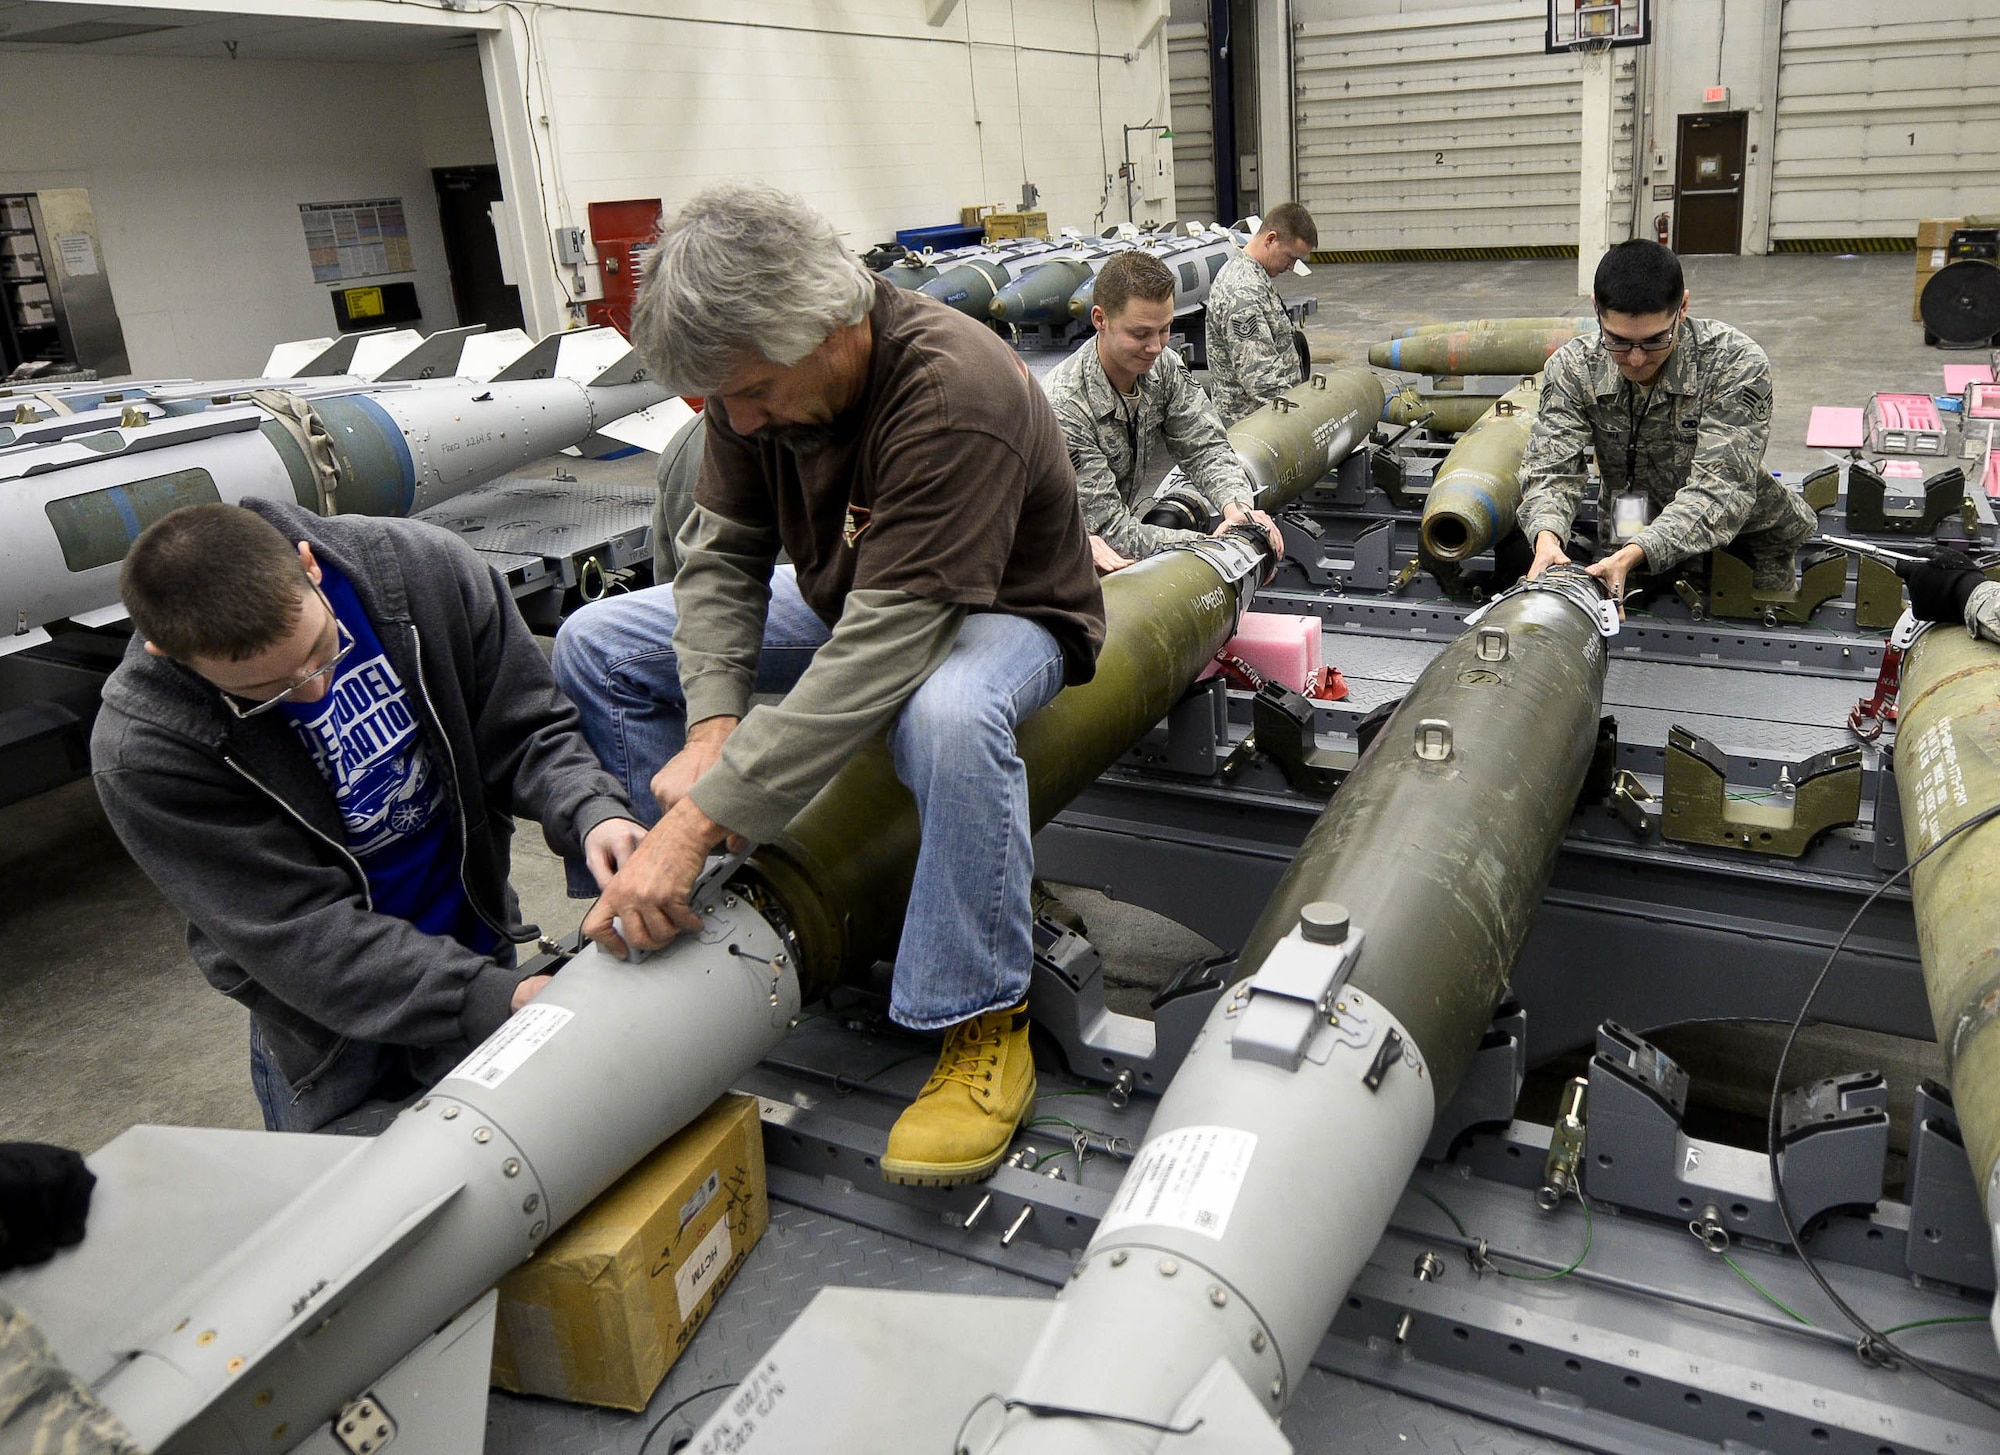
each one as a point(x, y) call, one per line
point(1188, 1178)
point(507, 1050)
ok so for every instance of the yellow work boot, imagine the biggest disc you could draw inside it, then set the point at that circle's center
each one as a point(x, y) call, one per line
point(959, 1126)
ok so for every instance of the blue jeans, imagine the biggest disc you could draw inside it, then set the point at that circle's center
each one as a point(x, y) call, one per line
point(966, 947)
point(357, 1092)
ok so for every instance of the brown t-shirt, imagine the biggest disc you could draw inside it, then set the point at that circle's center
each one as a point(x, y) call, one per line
point(950, 472)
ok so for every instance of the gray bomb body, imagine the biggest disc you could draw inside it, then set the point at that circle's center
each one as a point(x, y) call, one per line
point(464, 1185)
point(1439, 846)
point(1476, 496)
point(69, 509)
point(1042, 294)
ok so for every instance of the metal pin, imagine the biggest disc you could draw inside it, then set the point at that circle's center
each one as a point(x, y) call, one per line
point(978, 1211)
point(1020, 1221)
point(1120, 1095)
point(1403, 1328)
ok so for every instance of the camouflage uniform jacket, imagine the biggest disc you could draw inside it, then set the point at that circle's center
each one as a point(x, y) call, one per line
point(45, 1408)
point(1693, 441)
point(1982, 611)
point(1115, 445)
point(1252, 355)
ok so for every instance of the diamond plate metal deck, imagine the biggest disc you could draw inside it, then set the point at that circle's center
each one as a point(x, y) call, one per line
point(806, 1251)
point(537, 516)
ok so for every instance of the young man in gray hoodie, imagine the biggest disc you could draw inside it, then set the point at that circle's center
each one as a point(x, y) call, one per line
point(316, 746)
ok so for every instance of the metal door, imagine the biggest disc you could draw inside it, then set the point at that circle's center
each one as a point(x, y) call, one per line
point(471, 250)
point(1709, 217)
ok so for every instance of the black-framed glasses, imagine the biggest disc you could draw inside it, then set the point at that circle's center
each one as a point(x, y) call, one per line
point(343, 644)
point(1659, 343)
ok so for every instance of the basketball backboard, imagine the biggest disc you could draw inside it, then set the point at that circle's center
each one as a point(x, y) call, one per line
point(1598, 24)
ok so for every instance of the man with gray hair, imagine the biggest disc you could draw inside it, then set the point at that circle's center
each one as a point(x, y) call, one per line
point(902, 457)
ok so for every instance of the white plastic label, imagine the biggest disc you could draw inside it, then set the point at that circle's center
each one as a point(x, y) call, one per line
point(694, 1278)
point(507, 1050)
point(1188, 1178)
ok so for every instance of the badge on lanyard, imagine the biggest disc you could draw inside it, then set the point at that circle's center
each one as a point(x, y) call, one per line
point(1631, 512)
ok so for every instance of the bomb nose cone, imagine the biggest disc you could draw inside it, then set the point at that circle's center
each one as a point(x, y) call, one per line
point(1383, 356)
point(998, 307)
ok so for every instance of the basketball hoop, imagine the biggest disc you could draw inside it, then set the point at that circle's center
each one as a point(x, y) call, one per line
point(1596, 26)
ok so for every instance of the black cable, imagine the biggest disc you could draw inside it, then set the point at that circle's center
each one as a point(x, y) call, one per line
point(1872, 1339)
point(675, 1408)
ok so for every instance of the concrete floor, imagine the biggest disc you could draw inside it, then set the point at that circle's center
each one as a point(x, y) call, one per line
point(105, 1023)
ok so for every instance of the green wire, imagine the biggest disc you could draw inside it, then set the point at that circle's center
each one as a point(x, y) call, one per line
point(1926, 1323)
point(1589, 1234)
point(1439, 1203)
point(1768, 1296)
point(899, 1061)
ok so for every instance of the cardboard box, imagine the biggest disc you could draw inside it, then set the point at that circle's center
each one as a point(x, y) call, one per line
point(1016, 224)
point(1935, 232)
point(600, 1314)
point(976, 216)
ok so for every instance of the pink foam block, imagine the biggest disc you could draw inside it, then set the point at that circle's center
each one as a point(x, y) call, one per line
point(1279, 646)
point(1834, 428)
point(1902, 470)
point(1957, 376)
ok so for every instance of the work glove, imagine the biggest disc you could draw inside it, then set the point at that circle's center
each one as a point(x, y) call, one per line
point(44, 1199)
point(1940, 585)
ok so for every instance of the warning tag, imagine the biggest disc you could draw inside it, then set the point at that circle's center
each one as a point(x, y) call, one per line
point(504, 1052)
point(1187, 1178)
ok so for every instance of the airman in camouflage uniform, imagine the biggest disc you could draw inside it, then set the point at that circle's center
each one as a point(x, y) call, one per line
point(1254, 352)
point(1116, 444)
point(1688, 434)
point(44, 1409)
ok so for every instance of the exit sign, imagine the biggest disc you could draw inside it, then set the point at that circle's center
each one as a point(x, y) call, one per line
point(1716, 96)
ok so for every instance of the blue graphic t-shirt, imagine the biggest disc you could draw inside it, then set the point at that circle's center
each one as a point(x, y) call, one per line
point(388, 782)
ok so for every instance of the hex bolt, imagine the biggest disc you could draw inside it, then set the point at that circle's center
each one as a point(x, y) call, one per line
point(1118, 1258)
point(532, 1201)
point(1430, 1267)
point(1169, 1267)
point(450, 1113)
point(483, 1135)
point(537, 1230)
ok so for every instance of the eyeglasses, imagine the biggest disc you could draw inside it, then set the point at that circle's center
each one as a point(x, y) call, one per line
point(1659, 343)
point(344, 643)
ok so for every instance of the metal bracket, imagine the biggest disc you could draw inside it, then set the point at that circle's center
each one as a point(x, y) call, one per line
point(1833, 1140)
point(1634, 803)
point(1732, 595)
point(1698, 809)
point(1491, 1086)
point(1195, 738)
point(1868, 511)
point(1949, 1240)
point(1066, 998)
point(1291, 997)
point(1878, 594)
point(364, 1427)
point(1284, 725)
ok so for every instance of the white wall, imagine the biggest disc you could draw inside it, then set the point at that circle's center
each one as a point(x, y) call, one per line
point(881, 119)
point(1703, 43)
point(196, 170)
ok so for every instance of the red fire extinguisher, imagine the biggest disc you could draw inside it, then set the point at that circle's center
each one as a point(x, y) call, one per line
point(1662, 229)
